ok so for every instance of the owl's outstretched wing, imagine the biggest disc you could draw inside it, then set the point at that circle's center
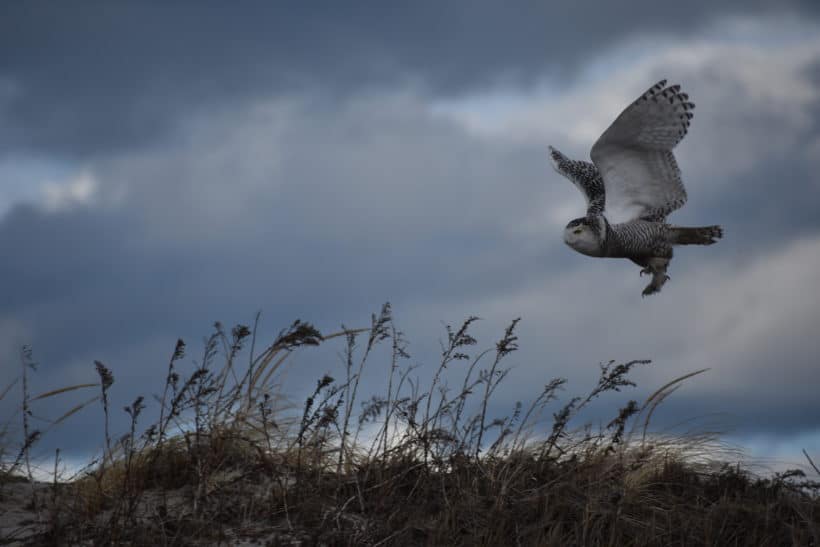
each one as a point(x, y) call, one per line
point(583, 175)
point(634, 156)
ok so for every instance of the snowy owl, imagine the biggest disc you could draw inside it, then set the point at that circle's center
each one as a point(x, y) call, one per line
point(633, 162)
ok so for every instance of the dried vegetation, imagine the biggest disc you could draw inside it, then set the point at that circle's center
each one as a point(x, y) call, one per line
point(418, 464)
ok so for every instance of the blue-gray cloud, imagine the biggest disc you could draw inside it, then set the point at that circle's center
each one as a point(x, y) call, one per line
point(87, 78)
point(281, 198)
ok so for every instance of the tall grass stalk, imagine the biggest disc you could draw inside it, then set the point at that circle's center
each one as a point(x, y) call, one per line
point(231, 457)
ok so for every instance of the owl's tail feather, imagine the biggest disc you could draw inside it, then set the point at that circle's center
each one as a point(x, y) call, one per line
point(702, 235)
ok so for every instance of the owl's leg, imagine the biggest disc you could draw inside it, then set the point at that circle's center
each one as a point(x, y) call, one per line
point(647, 271)
point(657, 267)
point(644, 264)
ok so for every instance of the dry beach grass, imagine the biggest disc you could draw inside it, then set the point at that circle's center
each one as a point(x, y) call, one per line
point(422, 463)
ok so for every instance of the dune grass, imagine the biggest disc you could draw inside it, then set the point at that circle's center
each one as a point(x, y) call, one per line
point(421, 463)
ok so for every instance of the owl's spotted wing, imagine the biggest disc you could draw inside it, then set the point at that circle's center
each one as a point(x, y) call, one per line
point(585, 177)
point(634, 156)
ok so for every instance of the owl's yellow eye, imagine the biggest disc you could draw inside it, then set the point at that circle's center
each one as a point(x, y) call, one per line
point(577, 231)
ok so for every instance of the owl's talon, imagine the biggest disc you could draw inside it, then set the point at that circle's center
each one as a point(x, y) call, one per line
point(652, 288)
point(645, 271)
point(658, 281)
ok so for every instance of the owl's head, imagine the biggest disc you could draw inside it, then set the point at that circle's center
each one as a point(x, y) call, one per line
point(584, 235)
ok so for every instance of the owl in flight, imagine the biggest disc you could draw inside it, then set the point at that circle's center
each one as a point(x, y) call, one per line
point(632, 162)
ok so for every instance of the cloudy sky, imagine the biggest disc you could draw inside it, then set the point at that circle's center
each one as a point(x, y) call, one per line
point(167, 165)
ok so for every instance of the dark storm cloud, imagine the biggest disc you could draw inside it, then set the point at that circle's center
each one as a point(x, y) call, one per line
point(323, 215)
point(227, 183)
point(86, 78)
point(765, 214)
point(323, 237)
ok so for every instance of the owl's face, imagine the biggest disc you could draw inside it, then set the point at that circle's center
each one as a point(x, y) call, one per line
point(581, 236)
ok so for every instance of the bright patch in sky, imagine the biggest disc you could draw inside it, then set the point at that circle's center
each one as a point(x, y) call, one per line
point(47, 184)
point(580, 113)
point(780, 453)
point(77, 190)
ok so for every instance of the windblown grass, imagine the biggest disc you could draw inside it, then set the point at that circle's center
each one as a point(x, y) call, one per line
point(417, 464)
